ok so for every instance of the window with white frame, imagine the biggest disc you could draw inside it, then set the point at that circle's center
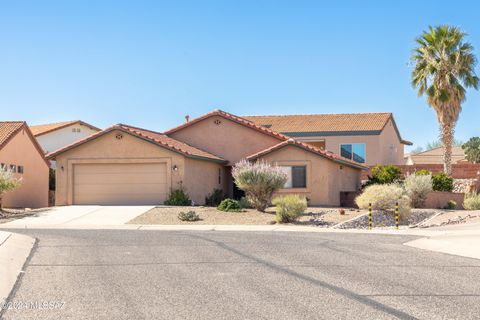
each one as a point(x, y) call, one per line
point(296, 176)
point(353, 151)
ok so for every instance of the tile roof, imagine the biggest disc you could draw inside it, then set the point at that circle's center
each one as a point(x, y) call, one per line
point(49, 127)
point(324, 122)
point(323, 153)
point(8, 129)
point(151, 136)
point(233, 118)
point(342, 123)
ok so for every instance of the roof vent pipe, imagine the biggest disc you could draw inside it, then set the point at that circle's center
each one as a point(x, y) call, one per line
point(187, 118)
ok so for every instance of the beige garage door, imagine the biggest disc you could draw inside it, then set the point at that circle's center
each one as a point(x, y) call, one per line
point(120, 184)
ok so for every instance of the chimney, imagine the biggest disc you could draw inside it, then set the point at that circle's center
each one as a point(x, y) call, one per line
point(187, 118)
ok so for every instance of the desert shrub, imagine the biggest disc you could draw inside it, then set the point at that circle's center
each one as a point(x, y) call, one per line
point(417, 188)
point(451, 205)
point(214, 198)
point(384, 174)
point(229, 205)
point(289, 207)
point(259, 180)
point(188, 216)
point(442, 182)
point(7, 183)
point(472, 201)
point(383, 197)
point(178, 197)
point(244, 204)
point(423, 172)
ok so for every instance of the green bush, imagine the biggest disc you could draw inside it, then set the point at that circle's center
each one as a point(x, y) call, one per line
point(472, 201)
point(259, 180)
point(188, 216)
point(417, 188)
point(384, 174)
point(383, 197)
point(442, 182)
point(7, 183)
point(51, 179)
point(229, 205)
point(244, 204)
point(214, 198)
point(451, 205)
point(423, 172)
point(289, 207)
point(178, 197)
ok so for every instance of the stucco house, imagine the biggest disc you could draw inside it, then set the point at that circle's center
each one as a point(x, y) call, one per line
point(367, 138)
point(129, 165)
point(21, 153)
point(435, 156)
point(53, 136)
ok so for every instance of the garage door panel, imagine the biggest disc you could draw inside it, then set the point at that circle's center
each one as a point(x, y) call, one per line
point(120, 184)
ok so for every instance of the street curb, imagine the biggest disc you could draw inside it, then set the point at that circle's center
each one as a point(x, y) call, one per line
point(14, 251)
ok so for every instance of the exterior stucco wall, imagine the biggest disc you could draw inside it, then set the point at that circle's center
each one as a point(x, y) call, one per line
point(228, 139)
point(391, 148)
point(33, 193)
point(325, 178)
point(384, 148)
point(202, 177)
point(108, 149)
point(57, 139)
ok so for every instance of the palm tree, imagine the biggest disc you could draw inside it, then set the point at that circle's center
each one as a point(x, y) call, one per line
point(444, 68)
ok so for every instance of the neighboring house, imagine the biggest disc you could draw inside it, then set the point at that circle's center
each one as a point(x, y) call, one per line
point(435, 156)
point(21, 153)
point(367, 138)
point(54, 136)
point(129, 165)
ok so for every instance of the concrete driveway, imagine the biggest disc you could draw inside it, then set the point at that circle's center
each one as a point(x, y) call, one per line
point(78, 216)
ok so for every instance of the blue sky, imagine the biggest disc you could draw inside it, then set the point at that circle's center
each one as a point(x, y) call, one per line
point(149, 63)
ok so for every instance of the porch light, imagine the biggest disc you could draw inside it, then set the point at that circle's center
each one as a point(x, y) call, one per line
point(175, 168)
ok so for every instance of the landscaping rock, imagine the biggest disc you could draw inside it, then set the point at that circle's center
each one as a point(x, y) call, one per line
point(382, 219)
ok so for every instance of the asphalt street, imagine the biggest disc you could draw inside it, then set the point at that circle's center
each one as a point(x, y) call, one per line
point(130, 274)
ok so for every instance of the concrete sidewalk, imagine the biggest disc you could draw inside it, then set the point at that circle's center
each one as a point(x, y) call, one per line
point(462, 240)
point(14, 251)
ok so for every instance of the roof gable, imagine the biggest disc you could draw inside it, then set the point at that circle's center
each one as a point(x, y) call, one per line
point(231, 117)
point(9, 129)
point(42, 129)
point(157, 138)
point(322, 153)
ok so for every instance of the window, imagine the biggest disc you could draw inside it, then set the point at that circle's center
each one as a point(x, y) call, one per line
point(20, 169)
point(317, 144)
point(3, 166)
point(75, 129)
point(354, 151)
point(13, 168)
point(296, 177)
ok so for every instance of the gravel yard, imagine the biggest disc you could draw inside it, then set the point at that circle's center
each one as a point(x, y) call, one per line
point(382, 219)
point(323, 217)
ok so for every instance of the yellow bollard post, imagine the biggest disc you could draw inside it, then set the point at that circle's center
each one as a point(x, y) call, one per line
point(370, 221)
point(396, 216)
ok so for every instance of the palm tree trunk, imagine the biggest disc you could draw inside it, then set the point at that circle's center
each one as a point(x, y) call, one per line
point(446, 136)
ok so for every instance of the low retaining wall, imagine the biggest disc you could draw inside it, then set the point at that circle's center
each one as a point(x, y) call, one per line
point(439, 200)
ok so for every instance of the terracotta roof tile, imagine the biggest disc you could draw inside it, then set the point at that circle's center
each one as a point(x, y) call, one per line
point(233, 118)
point(323, 122)
point(155, 137)
point(49, 127)
point(8, 129)
point(323, 153)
